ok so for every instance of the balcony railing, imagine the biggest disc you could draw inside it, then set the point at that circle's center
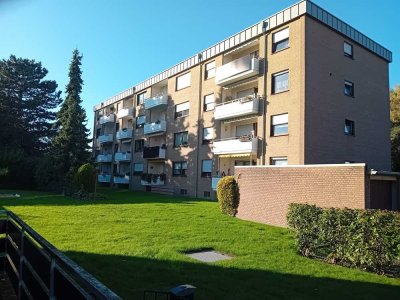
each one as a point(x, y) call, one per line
point(157, 101)
point(122, 156)
point(126, 113)
point(104, 178)
point(242, 145)
point(105, 138)
point(156, 152)
point(239, 69)
point(153, 179)
point(237, 108)
point(126, 133)
point(107, 119)
point(104, 158)
point(121, 179)
point(214, 182)
point(155, 128)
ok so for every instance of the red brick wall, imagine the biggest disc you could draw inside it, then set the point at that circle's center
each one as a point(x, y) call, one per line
point(266, 191)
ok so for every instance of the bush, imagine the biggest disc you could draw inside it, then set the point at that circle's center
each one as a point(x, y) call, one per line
point(86, 177)
point(228, 195)
point(365, 239)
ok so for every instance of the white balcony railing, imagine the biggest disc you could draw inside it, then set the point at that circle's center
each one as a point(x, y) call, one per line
point(122, 156)
point(124, 134)
point(156, 127)
point(105, 138)
point(125, 113)
point(121, 179)
point(241, 145)
point(236, 108)
point(107, 119)
point(239, 69)
point(104, 158)
point(214, 182)
point(104, 178)
point(157, 101)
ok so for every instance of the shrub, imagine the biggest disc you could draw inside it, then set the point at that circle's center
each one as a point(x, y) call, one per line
point(228, 195)
point(366, 239)
point(86, 177)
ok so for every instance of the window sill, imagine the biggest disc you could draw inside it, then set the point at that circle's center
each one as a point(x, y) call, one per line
point(279, 135)
point(176, 90)
point(280, 50)
point(281, 92)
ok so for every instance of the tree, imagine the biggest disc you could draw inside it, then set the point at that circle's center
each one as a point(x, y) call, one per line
point(71, 144)
point(395, 132)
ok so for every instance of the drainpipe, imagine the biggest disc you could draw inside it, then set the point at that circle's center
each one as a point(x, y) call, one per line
point(113, 150)
point(198, 124)
point(264, 106)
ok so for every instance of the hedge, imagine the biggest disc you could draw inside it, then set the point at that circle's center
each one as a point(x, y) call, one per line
point(228, 195)
point(85, 177)
point(365, 239)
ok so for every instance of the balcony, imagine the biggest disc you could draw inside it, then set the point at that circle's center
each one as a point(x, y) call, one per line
point(239, 69)
point(104, 158)
point(156, 102)
point(105, 138)
point(156, 152)
point(121, 179)
point(107, 119)
point(214, 182)
point(104, 178)
point(126, 133)
point(158, 127)
point(126, 113)
point(236, 108)
point(153, 179)
point(122, 156)
point(242, 145)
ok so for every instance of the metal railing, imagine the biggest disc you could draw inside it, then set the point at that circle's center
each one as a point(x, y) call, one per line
point(37, 270)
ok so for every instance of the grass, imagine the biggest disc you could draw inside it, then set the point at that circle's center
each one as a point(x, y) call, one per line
point(135, 241)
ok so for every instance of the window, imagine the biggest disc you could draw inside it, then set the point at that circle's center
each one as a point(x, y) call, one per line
point(349, 127)
point(280, 40)
point(279, 125)
point(207, 194)
point(139, 145)
point(183, 81)
point(348, 88)
point(210, 70)
point(179, 168)
point(140, 120)
point(209, 102)
point(183, 192)
point(182, 110)
point(206, 168)
point(245, 163)
point(280, 82)
point(208, 135)
point(348, 50)
point(246, 130)
point(138, 168)
point(140, 98)
point(181, 139)
point(279, 161)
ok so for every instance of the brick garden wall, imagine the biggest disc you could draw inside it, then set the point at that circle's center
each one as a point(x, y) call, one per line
point(266, 191)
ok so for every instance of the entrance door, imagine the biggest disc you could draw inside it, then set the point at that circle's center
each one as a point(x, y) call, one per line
point(381, 194)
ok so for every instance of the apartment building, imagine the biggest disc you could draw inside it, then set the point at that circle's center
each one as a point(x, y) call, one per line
point(300, 87)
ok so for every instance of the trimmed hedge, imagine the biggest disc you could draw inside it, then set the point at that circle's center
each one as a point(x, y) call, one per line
point(228, 195)
point(86, 177)
point(365, 239)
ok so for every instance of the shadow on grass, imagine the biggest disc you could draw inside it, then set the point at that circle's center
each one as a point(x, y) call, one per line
point(129, 276)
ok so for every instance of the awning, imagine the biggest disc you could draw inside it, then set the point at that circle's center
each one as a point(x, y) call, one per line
point(234, 155)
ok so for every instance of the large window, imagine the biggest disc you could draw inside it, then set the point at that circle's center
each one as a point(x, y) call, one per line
point(206, 168)
point(138, 168)
point(183, 81)
point(182, 110)
point(280, 40)
point(349, 88)
point(279, 125)
point(348, 50)
point(208, 135)
point(140, 120)
point(280, 82)
point(181, 139)
point(349, 127)
point(139, 145)
point(209, 102)
point(279, 161)
point(179, 168)
point(140, 98)
point(210, 70)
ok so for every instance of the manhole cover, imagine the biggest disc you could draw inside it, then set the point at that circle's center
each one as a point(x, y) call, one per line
point(207, 255)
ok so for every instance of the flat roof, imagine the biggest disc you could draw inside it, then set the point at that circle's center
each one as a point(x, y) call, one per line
point(304, 7)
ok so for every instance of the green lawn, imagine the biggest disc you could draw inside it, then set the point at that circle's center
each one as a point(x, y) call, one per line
point(134, 241)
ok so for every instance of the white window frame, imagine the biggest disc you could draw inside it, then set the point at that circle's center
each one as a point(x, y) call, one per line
point(280, 37)
point(208, 134)
point(276, 120)
point(274, 87)
point(209, 102)
point(206, 167)
point(273, 161)
point(182, 109)
point(209, 70)
point(183, 81)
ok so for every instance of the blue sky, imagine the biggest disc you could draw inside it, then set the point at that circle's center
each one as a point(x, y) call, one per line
point(126, 41)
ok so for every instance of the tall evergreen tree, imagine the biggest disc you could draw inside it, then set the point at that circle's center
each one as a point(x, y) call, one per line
point(395, 132)
point(71, 144)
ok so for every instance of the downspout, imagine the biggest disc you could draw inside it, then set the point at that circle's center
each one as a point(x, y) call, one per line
point(264, 106)
point(198, 124)
point(113, 150)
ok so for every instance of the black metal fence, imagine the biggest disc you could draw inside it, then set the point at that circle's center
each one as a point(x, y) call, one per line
point(37, 270)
